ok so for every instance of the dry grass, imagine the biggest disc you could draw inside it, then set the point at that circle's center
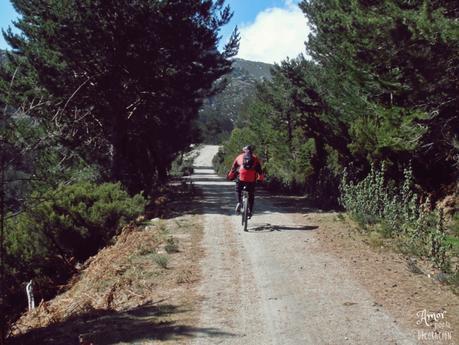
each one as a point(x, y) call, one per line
point(375, 240)
point(126, 276)
point(115, 277)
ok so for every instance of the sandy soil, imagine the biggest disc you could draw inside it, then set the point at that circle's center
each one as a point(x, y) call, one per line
point(289, 281)
point(403, 290)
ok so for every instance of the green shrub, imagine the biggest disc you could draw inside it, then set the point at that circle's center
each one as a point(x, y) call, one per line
point(171, 245)
point(218, 162)
point(365, 200)
point(74, 220)
point(56, 230)
point(398, 213)
point(182, 165)
point(161, 260)
point(375, 239)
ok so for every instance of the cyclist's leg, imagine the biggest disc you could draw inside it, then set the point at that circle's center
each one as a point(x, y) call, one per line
point(239, 192)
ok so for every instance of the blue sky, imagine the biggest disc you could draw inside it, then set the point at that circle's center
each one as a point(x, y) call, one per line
point(245, 11)
point(7, 14)
point(270, 30)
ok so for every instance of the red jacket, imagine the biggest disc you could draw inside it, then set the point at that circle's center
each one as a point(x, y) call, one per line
point(247, 175)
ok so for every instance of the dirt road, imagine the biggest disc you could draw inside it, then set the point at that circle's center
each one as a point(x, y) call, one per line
point(275, 284)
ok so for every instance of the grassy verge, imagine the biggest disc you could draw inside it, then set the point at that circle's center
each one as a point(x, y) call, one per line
point(396, 215)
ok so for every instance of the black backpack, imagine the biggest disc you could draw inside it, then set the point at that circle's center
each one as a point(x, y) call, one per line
point(248, 162)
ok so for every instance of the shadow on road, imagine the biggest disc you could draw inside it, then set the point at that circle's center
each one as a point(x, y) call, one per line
point(214, 195)
point(103, 327)
point(211, 194)
point(270, 227)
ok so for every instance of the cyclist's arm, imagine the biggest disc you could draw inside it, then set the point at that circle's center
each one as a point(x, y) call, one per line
point(232, 174)
point(235, 166)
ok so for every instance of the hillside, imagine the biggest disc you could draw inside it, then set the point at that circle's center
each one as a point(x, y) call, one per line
point(135, 290)
point(217, 116)
point(251, 69)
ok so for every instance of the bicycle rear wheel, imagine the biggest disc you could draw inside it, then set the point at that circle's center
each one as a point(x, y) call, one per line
point(245, 211)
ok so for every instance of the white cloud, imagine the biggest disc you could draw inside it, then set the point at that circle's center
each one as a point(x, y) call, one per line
point(276, 33)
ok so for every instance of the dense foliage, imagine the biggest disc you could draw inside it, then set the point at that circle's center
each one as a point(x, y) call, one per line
point(94, 91)
point(381, 87)
point(130, 76)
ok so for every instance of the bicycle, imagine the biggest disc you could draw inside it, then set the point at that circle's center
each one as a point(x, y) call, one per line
point(245, 207)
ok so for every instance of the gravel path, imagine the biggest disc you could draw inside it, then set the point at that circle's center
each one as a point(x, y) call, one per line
point(274, 284)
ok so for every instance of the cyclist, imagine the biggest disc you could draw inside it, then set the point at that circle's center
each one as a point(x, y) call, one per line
point(246, 170)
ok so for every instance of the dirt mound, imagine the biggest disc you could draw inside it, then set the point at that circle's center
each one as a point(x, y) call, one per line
point(146, 265)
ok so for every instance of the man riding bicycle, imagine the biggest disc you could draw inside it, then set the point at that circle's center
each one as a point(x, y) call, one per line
point(246, 170)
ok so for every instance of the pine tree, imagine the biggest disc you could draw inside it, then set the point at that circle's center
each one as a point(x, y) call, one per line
point(399, 59)
point(135, 73)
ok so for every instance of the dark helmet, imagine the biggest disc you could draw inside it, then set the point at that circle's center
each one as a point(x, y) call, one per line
point(248, 148)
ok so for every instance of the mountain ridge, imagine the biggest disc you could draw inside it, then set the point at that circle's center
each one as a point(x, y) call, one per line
point(219, 112)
